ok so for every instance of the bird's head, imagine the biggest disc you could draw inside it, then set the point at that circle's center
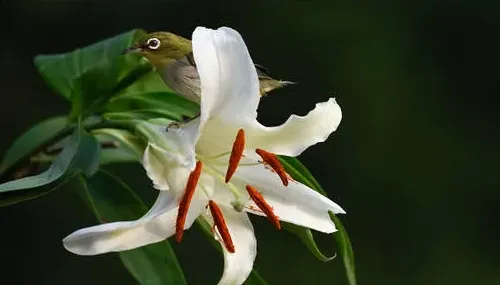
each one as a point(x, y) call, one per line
point(161, 48)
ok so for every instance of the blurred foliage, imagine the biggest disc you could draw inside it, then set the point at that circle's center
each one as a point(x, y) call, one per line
point(414, 162)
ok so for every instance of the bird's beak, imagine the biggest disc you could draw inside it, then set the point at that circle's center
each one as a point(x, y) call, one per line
point(133, 49)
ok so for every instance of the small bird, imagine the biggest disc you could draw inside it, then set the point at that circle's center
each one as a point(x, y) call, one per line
point(172, 56)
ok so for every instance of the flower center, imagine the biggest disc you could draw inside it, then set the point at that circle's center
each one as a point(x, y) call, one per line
point(235, 156)
point(269, 159)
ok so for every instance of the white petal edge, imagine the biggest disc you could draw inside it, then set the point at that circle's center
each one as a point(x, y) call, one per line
point(237, 265)
point(165, 168)
point(156, 225)
point(119, 236)
point(229, 82)
point(295, 203)
point(155, 168)
point(298, 132)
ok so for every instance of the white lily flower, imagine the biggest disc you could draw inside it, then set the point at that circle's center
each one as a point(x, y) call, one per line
point(223, 165)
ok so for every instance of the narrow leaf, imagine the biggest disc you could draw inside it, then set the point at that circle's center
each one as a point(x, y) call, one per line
point(175, 105)
point(346, 250)
point(55, 171)
point(118, 146)
point(28, 142)
point(14, 197)
point(300, 173)
point(306, 236)
point(255, 279)
point(145, 114)
point(79, 155)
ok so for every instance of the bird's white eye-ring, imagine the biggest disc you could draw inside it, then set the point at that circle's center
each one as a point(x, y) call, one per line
point(153, 43)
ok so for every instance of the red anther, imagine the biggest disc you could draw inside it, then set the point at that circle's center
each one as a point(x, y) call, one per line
point(271, 160)
point(220, 223)
point(236, 154)
point(186, 201)
point(264, 206)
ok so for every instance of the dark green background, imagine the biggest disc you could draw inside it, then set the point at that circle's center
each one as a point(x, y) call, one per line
point(414, 161)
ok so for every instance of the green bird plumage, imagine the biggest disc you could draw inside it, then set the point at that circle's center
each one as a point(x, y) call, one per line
point(173, 58)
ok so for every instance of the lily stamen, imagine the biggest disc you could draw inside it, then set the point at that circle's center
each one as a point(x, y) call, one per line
point(271, 160)
point(220, 223)
point(236, 154)
point(186, 201)
point(263, 206)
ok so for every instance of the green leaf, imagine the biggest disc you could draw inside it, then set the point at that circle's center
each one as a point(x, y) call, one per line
point(345, 247)
point(112, 200)
point(118, 146)
point(95, 88)
point(14, 197)
point(62, 71)
point(87, 157)
point(254, 278)
point(28, 142)
point(60, 165)
point(162, 103)
point(153, 265)
point(300, 173)
point(79, 155)
point(151, 82)
point(306, 236)
point(144, 114)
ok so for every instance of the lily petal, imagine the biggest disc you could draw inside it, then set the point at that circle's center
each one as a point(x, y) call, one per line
point(298, 132)
point(174, 144)
point(163, 166)
point(237, 265)
point(121, 236)
point(155, 168)
point(156, 225)
point(295, 203)
point(229, 82)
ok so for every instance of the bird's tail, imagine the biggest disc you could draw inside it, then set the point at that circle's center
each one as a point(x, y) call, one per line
point(268, 85)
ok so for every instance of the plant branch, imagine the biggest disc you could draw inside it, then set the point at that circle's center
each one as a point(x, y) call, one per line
point(123, 125)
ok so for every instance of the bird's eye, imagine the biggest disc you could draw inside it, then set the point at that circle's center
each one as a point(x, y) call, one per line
point(153, 43)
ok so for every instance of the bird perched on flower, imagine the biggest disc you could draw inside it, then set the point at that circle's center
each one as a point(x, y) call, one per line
point(173, 57)
point(223, 165)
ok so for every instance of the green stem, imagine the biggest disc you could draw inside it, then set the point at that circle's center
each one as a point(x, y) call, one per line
point(123, 125)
